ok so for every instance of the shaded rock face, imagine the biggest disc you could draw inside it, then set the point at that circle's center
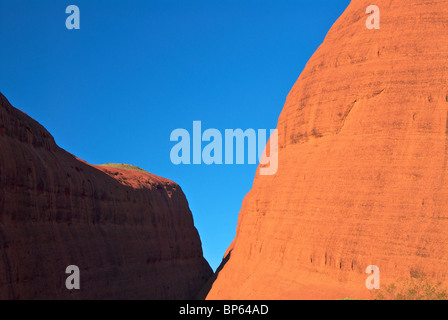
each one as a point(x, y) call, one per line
point(130, 233)
point(362, 178)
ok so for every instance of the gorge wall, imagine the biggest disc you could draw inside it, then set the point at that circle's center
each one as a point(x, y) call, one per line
point(130, 232)
point(362, 178)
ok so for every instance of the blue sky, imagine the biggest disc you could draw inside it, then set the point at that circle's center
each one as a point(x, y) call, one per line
point(114, 90)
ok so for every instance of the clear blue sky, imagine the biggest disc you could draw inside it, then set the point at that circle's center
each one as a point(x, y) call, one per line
point(114, 90)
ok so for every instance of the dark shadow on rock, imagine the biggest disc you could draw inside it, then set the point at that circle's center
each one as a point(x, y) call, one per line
point(208, 285)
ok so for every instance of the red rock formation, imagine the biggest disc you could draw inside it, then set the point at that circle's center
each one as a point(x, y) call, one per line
point(362, 178)
point(131, 233)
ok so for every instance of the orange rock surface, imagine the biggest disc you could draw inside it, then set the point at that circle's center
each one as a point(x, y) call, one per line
point(362, 178)
point(131, 233)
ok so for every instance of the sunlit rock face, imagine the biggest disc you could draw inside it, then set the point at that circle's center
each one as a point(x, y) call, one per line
point(362, 177)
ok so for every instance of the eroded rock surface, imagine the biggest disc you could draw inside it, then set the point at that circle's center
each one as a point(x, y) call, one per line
point(130, 232)
point(362, 178)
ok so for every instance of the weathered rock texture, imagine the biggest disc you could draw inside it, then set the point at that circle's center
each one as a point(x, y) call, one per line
point(362, 179)
point(131, 233)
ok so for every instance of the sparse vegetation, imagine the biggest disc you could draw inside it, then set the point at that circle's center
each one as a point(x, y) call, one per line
point(124, 166)
point(417, 287)
point(316, 133)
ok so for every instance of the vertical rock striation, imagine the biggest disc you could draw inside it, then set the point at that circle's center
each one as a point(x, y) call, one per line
point(130, 232)
point(362, 179)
